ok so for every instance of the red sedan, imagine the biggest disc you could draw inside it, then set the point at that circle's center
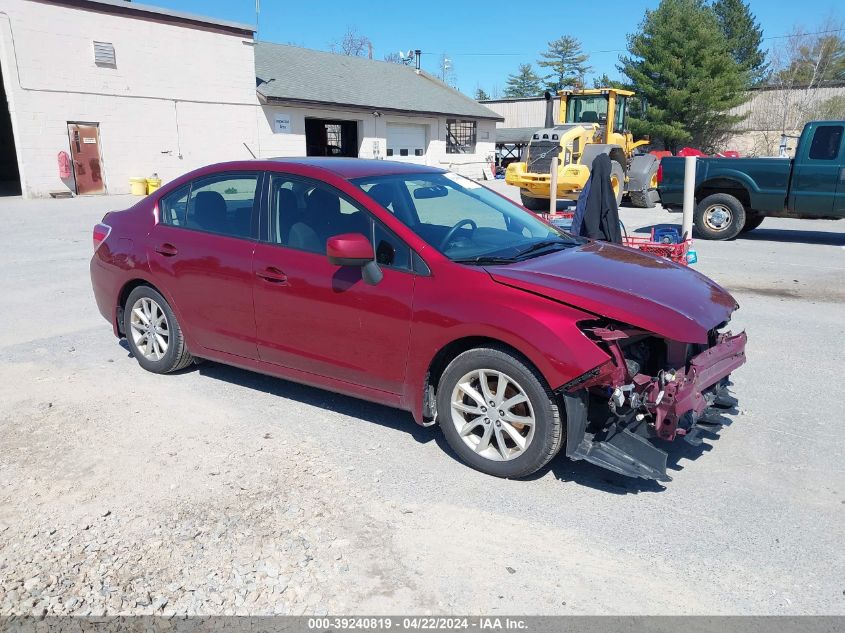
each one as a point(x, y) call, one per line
point(419, 289)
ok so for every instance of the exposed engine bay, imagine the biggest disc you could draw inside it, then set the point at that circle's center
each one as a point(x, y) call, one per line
point(651, 388)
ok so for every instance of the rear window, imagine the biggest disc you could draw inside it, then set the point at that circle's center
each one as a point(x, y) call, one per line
point(826, 142)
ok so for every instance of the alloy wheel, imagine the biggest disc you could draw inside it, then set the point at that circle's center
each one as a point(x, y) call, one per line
point(493, 414)
point(150, 329)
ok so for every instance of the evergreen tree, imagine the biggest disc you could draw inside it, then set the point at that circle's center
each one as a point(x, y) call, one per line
point(480, 95)
point(604, 81)
point(567, 63)
point(524, 83)
point(744, 36)
point(680, 64)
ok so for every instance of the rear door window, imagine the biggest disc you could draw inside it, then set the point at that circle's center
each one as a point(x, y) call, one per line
point(223, 204)
point(827, 140)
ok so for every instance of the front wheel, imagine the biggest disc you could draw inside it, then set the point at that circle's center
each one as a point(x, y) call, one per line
point(153, 333)
point(497, 413)
point(719, 216)
point(534, 204)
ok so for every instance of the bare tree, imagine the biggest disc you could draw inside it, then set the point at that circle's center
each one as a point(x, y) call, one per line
point(801, 65)
point(353, 44)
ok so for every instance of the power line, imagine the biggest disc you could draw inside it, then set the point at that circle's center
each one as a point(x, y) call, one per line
point(799, 34)
point(622, 50)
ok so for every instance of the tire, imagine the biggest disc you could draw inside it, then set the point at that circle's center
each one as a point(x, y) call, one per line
point(501, 456)
point(719, 216)
point(643, 199)
point(144, 305)
point(534, 204)
point(752, 222)
point(619, 173)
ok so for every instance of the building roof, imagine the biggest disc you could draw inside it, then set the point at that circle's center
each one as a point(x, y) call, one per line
point(301, 75)
point(130, 8)
point(514, 135)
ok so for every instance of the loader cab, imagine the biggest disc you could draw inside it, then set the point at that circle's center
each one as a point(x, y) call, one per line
point(606, 107)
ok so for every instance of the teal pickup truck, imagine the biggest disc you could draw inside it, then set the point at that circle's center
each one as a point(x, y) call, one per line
point(733, 195)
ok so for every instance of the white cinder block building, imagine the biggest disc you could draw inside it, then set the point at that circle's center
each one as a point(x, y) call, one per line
point(140, 89)
point(95, 92)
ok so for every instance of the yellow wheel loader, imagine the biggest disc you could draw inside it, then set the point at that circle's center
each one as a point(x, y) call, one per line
point(593, 123)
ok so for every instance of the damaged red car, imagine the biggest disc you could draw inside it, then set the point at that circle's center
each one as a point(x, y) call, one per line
point(422, 290)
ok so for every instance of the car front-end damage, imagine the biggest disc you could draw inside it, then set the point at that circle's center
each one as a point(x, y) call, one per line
point(650, 388)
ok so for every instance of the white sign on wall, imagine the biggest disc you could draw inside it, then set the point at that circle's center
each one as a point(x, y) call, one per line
point(281, 123)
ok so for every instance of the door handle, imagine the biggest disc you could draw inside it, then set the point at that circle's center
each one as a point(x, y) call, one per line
point(273, 275)
point(168, 250)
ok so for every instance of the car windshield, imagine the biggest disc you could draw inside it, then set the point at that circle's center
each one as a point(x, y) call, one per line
point(465, 221)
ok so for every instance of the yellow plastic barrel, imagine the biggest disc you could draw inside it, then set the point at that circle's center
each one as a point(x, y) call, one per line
point(138, 186)
point(153, 184)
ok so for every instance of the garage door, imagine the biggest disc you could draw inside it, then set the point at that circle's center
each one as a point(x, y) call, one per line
point(406, 142)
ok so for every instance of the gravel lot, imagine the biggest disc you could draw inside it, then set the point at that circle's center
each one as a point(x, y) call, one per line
point(222, 491)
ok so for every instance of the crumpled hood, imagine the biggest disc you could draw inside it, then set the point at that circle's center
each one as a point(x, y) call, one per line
point(626, 285)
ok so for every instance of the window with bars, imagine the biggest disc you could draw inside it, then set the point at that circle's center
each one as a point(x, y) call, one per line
point(460, 136)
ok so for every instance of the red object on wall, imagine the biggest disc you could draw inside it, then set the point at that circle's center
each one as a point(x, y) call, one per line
point(64, 165)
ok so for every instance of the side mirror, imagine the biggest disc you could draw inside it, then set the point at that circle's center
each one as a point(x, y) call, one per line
point(353, 249)
point(349, 249)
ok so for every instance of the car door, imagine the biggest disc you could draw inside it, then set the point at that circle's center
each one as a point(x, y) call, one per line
point(201, 248)
point(818, 187)
point(324, 319)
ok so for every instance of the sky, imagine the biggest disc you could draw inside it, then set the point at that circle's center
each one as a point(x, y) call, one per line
point(485, 39)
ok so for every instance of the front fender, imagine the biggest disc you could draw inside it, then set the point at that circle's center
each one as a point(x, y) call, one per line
point(543, 331)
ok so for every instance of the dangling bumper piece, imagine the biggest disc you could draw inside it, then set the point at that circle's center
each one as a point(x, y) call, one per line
point(612, 413)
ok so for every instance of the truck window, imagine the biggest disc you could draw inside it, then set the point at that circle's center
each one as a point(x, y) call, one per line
point(592, 109)
point(619, 115)
point(826, 142)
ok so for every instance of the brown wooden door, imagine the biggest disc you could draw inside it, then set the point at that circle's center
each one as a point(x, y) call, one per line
point(85, 157)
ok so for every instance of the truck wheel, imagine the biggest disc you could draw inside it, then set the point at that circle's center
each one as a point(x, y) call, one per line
point(534, 204)
point(719, 216)
point(752, 221)
point(617, 180)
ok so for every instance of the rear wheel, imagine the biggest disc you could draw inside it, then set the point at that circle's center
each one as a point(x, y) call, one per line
point(497, 413)
point(719, 216)
point(153, 333)
point(647, 198)
point(752, 222)
point(534, 204)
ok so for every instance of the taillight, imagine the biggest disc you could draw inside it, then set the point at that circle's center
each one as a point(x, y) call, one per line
point(660, 173)
point(101, 232)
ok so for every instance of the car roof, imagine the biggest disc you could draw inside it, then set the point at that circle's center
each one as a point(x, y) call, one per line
point(350, 168)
